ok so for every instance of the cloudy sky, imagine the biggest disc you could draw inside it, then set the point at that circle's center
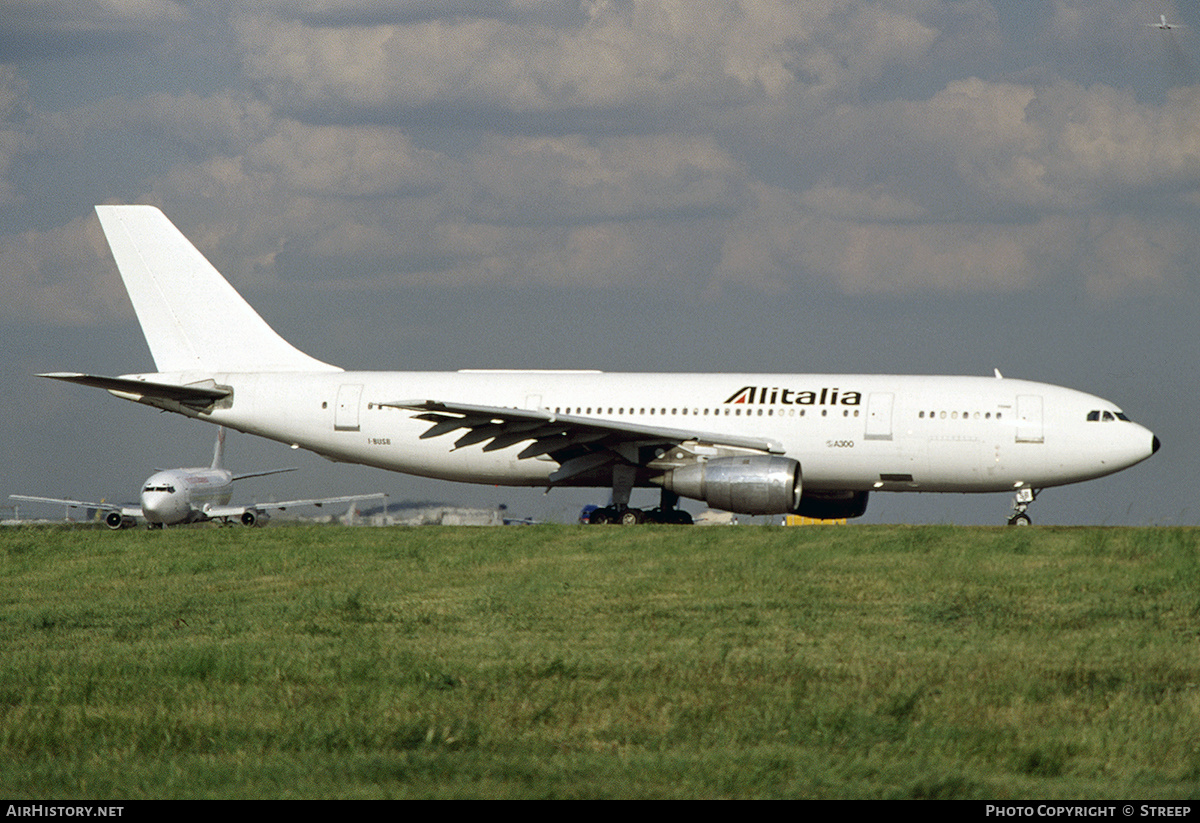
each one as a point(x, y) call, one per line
point(912, 186)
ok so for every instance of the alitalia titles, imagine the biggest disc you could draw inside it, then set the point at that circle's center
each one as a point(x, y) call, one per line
point(775, 396)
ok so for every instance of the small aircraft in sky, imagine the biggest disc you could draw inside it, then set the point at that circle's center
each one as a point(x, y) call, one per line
point(175, 496)
point(811, 444)
point(1164, 25)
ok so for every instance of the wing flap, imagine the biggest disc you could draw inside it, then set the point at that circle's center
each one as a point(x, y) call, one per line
point(579, 465)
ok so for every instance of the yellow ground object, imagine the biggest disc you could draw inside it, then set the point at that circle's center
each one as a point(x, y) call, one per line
point(801, 520)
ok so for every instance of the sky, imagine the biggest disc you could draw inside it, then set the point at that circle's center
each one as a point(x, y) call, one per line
point(913, 186)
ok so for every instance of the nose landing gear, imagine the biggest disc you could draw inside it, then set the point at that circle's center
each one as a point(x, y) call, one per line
point(1021, 501)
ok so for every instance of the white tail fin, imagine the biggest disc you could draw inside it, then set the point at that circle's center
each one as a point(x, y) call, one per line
point(192, 318)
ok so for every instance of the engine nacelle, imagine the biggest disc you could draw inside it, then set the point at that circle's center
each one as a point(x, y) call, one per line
point(756, 484)
point(251, 517)
point(116, 520)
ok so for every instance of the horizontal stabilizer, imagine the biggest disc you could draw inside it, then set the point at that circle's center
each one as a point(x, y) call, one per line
point(195, 396)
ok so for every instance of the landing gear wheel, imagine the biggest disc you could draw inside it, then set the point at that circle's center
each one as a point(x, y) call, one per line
point(600, 517)
point(1021, 501)
point(632, 517)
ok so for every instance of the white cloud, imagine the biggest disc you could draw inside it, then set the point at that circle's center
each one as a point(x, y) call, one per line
point(653, 141)
point(648, 54)
point(343, 161)
point(59, 277)
point(1126, 252)
point(781, 244)
point(999, 145)
point(874, 204)
point(91, 15)
point(553, 180)
point(784, 241)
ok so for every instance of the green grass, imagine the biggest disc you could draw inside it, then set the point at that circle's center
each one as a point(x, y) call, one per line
point(558, 661)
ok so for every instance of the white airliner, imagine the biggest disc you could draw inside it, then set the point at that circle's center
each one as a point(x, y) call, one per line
point(174, 496)
point(812, 444)
point(1163, 24)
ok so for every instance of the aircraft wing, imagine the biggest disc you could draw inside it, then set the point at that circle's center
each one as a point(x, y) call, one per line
point(127, 511)
point(578, 443)
point(262, 473)
point(319, 501)
point(215, 512)
point(198, 395)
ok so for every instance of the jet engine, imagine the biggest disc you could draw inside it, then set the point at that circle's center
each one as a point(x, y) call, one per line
point(251, 517)
point(116, 520)
point(756, 484)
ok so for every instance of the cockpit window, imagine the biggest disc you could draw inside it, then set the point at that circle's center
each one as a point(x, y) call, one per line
point(1106, 416)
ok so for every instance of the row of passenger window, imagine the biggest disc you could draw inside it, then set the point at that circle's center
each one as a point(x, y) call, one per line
point(621, 410)
point(954, 415)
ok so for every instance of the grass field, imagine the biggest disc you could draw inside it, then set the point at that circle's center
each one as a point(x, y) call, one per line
point(601, 662)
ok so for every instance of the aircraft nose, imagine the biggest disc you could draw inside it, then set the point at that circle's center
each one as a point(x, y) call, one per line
point(158, 507)
point(152, 507)
point(1138, 443)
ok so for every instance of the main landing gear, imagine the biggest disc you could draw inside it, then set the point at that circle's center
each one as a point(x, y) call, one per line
point(619, 512)
point(1021, 501)
point(634, 517)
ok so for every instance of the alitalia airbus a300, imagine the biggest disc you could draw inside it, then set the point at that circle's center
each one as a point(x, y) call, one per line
point(763, 444)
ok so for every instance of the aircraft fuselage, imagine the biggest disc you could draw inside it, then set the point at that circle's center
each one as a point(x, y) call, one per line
point(848, 432)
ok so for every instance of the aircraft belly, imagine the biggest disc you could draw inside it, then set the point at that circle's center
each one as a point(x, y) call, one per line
point(854, 465)
point(470, 464)
point(965, 464)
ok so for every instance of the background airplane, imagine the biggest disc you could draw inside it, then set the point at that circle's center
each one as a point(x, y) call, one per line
point(190, 495)
point(1163, 24)
point(809, 444)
